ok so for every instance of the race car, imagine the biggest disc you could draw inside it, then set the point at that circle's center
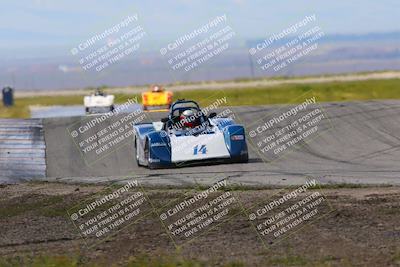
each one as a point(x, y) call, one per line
point(188, 136)
point(157, 99)
point(98, 102)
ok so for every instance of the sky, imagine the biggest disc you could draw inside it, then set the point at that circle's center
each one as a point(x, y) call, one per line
point(26, 23)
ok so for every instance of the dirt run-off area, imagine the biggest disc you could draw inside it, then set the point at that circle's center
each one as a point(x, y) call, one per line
point(352, 227)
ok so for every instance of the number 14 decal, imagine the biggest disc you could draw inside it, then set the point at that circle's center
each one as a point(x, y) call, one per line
point(202, 149)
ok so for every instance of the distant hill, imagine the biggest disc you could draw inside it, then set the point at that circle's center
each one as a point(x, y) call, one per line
point(329, 38)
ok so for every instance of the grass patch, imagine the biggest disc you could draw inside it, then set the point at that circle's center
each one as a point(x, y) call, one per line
point(173, 261)
point(287, 261)
point(287, 93)
point(41, 261)
point(349, 186)
point(21, 107)
point(280, 94)
point(140, 261)
point(50, 206)
point(241, 187)
point(335, 186)
point(396, 258)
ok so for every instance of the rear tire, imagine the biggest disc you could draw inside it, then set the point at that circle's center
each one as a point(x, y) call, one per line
point(241, 159)
point(245, 159)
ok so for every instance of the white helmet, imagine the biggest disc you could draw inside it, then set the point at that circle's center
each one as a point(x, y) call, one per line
point(188, 113)
point(157, 88)
point(188, 118)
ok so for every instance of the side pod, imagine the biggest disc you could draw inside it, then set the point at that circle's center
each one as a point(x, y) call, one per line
point(235, 140)
point(159, 149)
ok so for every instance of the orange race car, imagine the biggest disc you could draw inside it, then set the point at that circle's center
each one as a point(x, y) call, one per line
point(157, 99)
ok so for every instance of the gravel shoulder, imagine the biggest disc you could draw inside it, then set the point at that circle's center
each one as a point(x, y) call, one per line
point(362, 229)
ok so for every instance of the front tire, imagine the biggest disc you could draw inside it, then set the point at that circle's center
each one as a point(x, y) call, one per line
point(137, 153)
point(147, 155)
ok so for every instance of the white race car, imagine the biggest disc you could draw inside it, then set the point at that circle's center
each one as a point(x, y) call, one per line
point(98, 102)
point(188, 136)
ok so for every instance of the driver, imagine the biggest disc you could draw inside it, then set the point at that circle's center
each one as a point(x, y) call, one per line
point(189, 119)
point(157, 89)
point(98, 92)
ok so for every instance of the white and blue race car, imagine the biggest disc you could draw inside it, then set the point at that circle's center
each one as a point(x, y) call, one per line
point(189, 136)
